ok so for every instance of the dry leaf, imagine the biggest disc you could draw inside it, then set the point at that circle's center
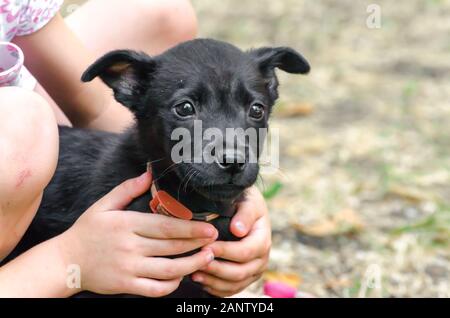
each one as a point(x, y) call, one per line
point(409, 193)
point(338, 283)
point(295, 110)
point(319, 229)
point(344, 222)
point(349, 217)
point(290, 279)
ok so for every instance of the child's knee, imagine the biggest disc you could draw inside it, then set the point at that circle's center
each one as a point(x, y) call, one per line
point(176, 19)
point(19, 102)
point(29, 144)
point(28, 157)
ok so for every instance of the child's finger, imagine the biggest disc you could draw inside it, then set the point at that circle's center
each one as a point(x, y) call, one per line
point(122, 195)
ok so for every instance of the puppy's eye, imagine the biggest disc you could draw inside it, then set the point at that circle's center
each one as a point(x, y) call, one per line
point(256, 111)
point(185, 109)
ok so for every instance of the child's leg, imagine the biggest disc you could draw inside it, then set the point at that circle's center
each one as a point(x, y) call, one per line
point(61, 118)
point(28, 157)
point(151, 26)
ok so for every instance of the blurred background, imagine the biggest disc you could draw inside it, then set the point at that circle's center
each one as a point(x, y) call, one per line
point(361, 204)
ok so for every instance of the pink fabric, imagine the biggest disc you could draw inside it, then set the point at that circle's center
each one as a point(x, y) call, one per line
point(22, 17)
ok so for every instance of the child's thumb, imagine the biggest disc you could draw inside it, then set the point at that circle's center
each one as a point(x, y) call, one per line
point(122, 195)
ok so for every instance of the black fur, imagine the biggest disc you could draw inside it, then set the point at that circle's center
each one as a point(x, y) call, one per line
point(221, 81)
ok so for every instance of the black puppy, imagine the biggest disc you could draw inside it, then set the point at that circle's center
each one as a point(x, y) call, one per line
point(206, 80)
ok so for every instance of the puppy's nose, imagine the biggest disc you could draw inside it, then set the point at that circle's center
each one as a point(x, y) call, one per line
point(231, 162)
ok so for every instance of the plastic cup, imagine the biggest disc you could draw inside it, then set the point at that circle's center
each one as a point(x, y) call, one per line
point(11, 63)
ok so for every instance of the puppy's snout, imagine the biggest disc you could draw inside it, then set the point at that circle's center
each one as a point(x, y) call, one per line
point(231, 162)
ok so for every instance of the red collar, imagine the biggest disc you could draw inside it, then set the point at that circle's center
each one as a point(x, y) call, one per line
point(163, 203)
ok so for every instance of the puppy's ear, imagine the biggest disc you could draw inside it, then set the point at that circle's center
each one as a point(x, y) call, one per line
point(284, 58)
point(126, 72)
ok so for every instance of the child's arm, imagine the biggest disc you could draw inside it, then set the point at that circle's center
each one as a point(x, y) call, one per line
point(57, 58)
point(40, 272)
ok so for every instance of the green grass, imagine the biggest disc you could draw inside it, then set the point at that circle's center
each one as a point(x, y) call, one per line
point(272, 190)
point(433, 230)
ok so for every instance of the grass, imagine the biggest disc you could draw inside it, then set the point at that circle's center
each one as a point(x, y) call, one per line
point(410, 90)
point(272, 190)
point(433, 230)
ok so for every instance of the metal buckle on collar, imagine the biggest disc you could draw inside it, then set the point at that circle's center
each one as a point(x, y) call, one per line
point(205, 216)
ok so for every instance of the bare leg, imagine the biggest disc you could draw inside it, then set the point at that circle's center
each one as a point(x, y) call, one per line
point(151, 26)
point(61, 118)
point(28, 157)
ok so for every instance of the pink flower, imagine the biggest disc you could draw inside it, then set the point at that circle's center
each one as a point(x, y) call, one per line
point(279, 290)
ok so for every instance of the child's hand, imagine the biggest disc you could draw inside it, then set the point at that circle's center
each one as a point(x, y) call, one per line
point(119, 251)
point(245, 260)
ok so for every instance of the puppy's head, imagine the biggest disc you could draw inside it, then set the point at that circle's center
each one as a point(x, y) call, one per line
point(204, 88)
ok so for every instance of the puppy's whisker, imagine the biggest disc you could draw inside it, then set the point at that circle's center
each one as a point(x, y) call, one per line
point(187, 181)
point(195, 173)
point(167, 170)
point(278, 171)
point(181, 183)
point(260, 177)
point(283, 174)
point(187, 177)
point(156, 160)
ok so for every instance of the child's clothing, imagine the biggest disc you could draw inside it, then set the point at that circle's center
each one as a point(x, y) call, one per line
point(23, 17)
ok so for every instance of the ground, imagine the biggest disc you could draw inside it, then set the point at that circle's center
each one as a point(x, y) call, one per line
point(361, 203)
